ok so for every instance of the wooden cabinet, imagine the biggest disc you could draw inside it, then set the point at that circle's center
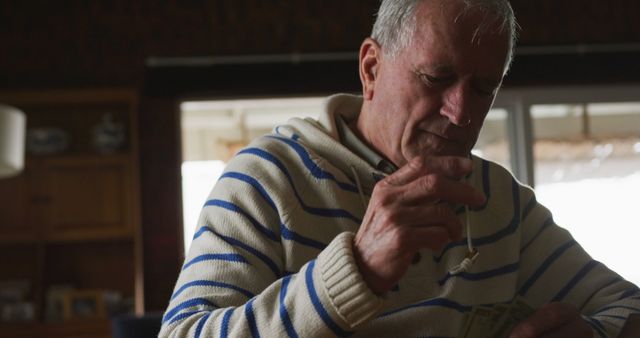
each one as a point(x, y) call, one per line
point(70, 221)
point(86, 197)
point(14, 215)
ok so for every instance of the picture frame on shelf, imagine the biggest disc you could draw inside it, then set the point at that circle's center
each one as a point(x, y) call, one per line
point(84, 304)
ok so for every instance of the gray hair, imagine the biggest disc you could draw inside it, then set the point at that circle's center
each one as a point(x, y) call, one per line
point(396, 22)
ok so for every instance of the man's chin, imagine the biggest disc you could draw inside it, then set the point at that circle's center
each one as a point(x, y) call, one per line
point(444, 151)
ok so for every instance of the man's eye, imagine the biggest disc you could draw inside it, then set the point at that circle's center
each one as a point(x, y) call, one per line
point(430, 79)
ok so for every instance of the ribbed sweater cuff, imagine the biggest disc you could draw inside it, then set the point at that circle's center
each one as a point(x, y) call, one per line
point(347, 291)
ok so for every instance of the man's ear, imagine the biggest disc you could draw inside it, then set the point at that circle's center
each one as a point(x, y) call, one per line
point(370, 57)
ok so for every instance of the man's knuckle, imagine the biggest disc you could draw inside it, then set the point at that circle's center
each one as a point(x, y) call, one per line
point(429, 182)
point(393, 218)
point(453, 165)
point(416, 164)
point(385, 201)
point(388, 216)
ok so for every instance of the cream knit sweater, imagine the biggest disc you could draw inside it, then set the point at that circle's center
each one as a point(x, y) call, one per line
point(272, 255)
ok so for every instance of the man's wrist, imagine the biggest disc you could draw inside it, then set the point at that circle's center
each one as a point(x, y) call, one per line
point(345, 287)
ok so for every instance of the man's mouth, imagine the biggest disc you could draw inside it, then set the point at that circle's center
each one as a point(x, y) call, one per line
point(444, 144)
point(444, 138)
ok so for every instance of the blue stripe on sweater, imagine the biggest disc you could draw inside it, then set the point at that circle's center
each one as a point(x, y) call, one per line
point(261, 256)
point(544, 266)
point(216, 257)
point(486, 240)
point(234, 242)
point(503, 270)
point(224, 326)
point(294, 136)
point(486, 185)
point(325, 212)
point(254, 183)
point(547, 223)
point(629, 292)
point(182, 316)
point(188, 304)
point(201, 231)
point(201, 325)
point(439, 302)
point(232, 207)
point(246, 293)
point(316, 171)
point(277, 129)
point(609, 307)
point(251, 319)
point(284, 314)
point(313, 168)
point(529, 207)
point(317, 304)
point(575, 280)
point(622, 318)
point(611, 282)
point(293, 236)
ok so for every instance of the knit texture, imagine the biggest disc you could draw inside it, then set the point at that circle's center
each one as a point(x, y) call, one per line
point(272, 255)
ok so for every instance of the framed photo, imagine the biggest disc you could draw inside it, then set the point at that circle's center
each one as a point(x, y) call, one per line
point(84, 304)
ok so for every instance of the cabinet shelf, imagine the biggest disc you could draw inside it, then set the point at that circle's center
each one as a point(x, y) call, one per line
point(84, 328)
point(80, 156)
point(26, 239)
point(72, 219)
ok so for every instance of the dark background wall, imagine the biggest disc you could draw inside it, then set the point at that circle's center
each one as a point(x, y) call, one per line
point(80, 43)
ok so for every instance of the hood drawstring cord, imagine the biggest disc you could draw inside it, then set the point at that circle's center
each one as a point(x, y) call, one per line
point(472, 252)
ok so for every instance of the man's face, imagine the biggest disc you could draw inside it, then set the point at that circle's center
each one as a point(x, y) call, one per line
point(433, 97)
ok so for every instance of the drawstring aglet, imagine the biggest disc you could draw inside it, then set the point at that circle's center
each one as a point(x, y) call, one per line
point(472, 253)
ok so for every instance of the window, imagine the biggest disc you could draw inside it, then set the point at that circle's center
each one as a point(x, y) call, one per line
point(213, 131)
point(587, 172)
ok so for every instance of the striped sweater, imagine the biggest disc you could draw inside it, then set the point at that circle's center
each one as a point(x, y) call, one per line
point(272, 255)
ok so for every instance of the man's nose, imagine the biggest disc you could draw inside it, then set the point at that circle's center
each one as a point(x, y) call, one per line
point(455, 105)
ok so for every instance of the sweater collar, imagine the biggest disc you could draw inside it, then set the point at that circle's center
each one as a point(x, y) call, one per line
point(324, 134)
point(350, 140)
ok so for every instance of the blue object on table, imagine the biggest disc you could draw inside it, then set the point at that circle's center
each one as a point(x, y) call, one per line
point(131, 326)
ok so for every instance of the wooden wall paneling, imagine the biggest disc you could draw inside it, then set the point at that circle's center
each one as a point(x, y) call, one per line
point(161, 202)
point(106, 43)
point(574, 22)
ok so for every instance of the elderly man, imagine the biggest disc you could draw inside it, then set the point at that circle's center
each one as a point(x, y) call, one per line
point(353, 224)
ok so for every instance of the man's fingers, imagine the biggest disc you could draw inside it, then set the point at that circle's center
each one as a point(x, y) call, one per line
point(439, 215)
point(432, 188)
point(572, 329)
point(545, 318)
point(449, 166)
point(433, 237)
point(431, 227)
point(549, 319)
